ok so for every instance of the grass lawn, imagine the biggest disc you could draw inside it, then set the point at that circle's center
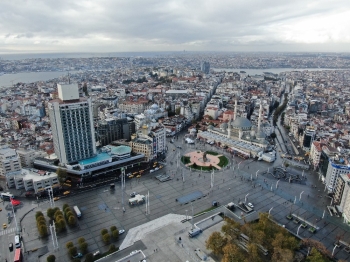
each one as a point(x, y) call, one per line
point(186, 160)
point(223, 161)
point(212, 153)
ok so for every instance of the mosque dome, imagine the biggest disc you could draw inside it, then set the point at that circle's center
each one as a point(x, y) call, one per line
point(154, 107)
point(242, 122)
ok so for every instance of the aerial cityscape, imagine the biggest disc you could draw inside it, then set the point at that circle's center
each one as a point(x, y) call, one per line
point(177, 131)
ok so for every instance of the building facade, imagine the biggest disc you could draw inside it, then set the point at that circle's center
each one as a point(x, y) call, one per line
point(9, 161)
point(72, 125)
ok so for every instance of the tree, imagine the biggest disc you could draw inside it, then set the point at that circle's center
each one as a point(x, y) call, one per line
point(232, 253)
point(62, 174)
point(316, 256)
point(81, 240)
point(43, 230)
point(83, 247)
point(282, 255)
point(38, 214)
point(69, 214)
point(253, 253)
point(106, 238)
point(72, 221)
point(73, 251)
point(50, 213)
point(64, 207)
point(112, 248)
point(177, 111)
point(89, 257)
point(113, 228)
point(273, 135)
point(104, 231)
point(69, 245)
point(216, 243)
point(115, 234)
point(51, 258)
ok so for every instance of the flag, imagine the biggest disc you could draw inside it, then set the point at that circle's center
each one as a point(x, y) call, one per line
point(15, 202)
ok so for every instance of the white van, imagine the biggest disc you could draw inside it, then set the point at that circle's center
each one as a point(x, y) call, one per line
point(17, 241)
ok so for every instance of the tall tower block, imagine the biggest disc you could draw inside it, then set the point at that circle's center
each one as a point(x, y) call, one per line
point(72, 125)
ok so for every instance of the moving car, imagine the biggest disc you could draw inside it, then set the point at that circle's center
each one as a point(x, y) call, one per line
point(66, 193)
point(250, 205)
point(56, 198)
point(79, 255)
point(96, 253)
point(4, 226)
point(11, 247)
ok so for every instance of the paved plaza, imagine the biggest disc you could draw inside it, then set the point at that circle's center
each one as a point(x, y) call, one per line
point(241, 180)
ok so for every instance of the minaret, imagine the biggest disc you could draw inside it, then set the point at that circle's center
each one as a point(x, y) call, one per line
point(235, 116)
point(260, 113)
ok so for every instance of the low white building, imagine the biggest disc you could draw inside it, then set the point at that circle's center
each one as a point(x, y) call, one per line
point(32, 179)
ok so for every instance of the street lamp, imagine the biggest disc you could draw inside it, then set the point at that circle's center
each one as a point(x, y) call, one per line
point(186, 214)
point(298, 229)
point(270, 211)
point(295, 199)
point(256, 173)
point(239, 164)
point(245, 199)
point(300, 195)
point(277, 183)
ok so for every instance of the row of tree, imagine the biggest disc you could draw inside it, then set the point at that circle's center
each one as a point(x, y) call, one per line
point(281, 245)
point(106, 237)
point(41, 224)
point(279, 110)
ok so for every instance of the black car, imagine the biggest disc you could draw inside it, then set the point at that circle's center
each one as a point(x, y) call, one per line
point(11, 247)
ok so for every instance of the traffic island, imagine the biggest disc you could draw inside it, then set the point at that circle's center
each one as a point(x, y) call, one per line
point(205, 161)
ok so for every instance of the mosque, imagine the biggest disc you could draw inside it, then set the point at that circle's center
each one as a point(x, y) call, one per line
point(239, 135)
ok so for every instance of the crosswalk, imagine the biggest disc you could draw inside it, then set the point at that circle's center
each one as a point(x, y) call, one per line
point(7, 231)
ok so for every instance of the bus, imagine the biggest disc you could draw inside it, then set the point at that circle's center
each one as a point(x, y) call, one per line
point(77, 211)
point(18, 255)
point(6, 196)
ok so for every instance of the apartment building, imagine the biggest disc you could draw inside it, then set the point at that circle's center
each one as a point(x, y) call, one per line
point(9, 161)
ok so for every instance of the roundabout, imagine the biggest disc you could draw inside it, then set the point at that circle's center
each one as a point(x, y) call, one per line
point(206, 161)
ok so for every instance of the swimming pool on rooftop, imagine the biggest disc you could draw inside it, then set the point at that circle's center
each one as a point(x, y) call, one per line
point(99, 157)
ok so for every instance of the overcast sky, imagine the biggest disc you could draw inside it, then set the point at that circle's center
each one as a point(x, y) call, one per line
point(168, 25)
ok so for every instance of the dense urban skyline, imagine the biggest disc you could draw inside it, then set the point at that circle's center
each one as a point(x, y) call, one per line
point(153, 25)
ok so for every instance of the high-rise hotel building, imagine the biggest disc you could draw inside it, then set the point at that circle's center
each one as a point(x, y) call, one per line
point(72, 125)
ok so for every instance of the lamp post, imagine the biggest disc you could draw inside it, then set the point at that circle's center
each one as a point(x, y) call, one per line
point(295, 199)
point(277, 183)
point(298, 229)
point(186, 214)
point(323, 214)
point(238, 165)
point(270, 211)
point(245, 199)
point(256, 173)
point(300, 195)
point(332, 201)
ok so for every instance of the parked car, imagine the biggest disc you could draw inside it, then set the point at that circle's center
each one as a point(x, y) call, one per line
point(250, 205)
point(4, 226)
point(66, 193)
point(151, 171)
point(96, 253)
point(156, 169)
point(56, 198)
point(121, 231)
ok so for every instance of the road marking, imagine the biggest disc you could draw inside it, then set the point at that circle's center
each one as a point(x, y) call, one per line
point(7, 231)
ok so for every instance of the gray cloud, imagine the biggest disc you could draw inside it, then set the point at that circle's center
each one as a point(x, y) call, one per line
point(155, 25)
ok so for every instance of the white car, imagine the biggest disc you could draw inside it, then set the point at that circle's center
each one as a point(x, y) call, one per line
point(151, 171)
point(250, 205)
point(156, 169)
point(121, 231)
